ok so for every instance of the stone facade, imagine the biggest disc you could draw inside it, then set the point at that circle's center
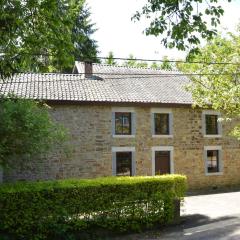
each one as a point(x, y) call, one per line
point(91, 144)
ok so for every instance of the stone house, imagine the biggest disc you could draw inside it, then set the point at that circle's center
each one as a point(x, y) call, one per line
point(129, 121)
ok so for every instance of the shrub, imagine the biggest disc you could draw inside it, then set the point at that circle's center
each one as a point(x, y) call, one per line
point(50, 209)
point(26, 130)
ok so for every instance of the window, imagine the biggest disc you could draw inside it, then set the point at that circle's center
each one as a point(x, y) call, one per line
point(123, 161)
point(161, 125)
point(162, 160)
point(124, 164)
point(213, 162)
point(211, 126)
point(161, 122)
point(123, 123)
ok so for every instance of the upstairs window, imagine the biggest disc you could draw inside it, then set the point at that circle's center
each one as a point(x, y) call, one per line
point(161, 124)
point(123, 123)
point(211, 122)
point(212, 127)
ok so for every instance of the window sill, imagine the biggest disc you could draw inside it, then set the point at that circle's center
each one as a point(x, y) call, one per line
point(162, 136)
point(212, 136)
point(123, 136)
point(214, 174)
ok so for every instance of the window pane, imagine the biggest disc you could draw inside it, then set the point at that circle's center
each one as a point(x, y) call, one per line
point(161, 121)
point(211, 124)
point(124, 164)
point(123, 123)
point(213, 161)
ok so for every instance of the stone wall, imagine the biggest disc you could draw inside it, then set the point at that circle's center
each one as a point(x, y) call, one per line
point(91, 142)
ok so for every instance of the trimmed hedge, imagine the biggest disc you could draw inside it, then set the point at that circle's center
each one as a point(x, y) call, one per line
point(50, 209)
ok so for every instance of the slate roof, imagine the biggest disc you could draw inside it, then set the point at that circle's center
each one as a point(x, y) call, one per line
point(108, 84)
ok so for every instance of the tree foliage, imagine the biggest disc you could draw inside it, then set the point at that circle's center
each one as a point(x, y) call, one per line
point(166, 64)
point(26, 130)
point(85, 48)
point(133, 62)
point(110, 59)
point(218, 85)
point(43, 35)
point(182, 23)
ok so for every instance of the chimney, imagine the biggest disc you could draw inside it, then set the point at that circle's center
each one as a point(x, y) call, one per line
point(88, 69)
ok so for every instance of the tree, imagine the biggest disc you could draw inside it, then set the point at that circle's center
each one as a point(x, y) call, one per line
point(110, 59)
point(217, 85)
point(154, 65)
point(142, 64)
point(132, 62)
point(85, 48)
point(166, 65)
point(43, 35)
point(26, 130)
point(181, 23)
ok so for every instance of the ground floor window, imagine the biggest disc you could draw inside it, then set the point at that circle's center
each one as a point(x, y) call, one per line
point(162, 160)
point(213, 161)
point(123, 161)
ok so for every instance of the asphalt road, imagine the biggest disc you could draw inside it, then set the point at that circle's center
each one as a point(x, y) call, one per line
point(214, 216)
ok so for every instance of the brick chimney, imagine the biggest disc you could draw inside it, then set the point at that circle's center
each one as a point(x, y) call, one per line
point(88, 70)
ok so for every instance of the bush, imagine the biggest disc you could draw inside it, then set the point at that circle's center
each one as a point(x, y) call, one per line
point(50, 209)
point(26, 123)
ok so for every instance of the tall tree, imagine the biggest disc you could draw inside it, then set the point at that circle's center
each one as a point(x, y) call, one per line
point(43, 35)
point(182, 23)
point(85, 48)
point(217, 85)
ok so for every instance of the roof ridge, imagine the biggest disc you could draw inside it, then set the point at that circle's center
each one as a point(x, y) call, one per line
point(46, 73)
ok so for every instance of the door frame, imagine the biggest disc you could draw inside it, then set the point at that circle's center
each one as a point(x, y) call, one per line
point(162, 148)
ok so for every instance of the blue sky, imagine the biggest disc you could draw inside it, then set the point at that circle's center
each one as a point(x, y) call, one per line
point(116, 32)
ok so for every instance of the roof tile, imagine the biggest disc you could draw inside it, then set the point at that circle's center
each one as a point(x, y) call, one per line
point(128, 85)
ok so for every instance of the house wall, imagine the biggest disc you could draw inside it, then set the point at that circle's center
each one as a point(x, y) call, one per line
point(91, 147)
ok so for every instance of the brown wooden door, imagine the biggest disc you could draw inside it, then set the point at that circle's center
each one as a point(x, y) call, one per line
point(162, 162)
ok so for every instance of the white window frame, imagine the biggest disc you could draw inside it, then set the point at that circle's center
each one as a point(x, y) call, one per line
point(162, 110)
point(114, 159)
point(133, 121)
point(219, 125)
point(218, 148)
point(163, 148)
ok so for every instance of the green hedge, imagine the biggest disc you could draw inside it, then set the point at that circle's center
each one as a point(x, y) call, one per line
point(51, 209)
